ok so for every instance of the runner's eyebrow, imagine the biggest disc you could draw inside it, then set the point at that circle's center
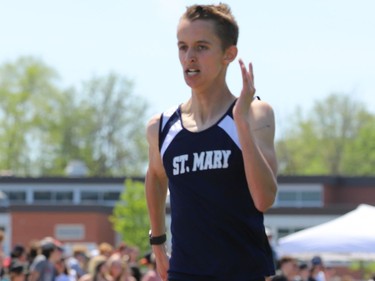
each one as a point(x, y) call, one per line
point(197, 42)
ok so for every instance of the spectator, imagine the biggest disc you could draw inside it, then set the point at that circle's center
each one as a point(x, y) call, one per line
point(317, 269)
point(17, 270)
point(97, 269)
point(105, 249)
point(19, 252)
point(33, 251)
point(122, 249)
point(4, 264)
point(131, 257)
point(151, 273)
point(303, 272)
point(63, 273)
point(78, 261)
point(43, 266)
point(118, 269)
point(2, 256)
point(288, 269)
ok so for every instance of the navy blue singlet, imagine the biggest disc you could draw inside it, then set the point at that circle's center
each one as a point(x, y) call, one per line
point(217, 233)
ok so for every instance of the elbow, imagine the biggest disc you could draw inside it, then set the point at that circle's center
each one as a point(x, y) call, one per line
point(263, 204)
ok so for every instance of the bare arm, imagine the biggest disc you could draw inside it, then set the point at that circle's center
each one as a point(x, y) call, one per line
point(156, 192)
point(256, 129)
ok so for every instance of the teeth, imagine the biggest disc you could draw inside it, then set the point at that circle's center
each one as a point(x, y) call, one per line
point(192, 72)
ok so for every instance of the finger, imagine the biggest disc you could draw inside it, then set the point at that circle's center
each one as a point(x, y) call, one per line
point(243, 68)
point(244, 72)
point(251, 71)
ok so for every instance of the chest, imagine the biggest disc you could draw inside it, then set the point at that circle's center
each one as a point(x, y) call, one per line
point(203, 152)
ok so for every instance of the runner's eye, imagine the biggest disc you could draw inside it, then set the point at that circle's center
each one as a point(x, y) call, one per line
point(202, 47)
point(182, 47)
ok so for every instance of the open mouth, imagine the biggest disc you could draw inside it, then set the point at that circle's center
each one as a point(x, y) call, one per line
point(192, 72)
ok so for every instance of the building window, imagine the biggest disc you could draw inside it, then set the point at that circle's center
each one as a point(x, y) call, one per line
point(111, 196)
point(16, 196)
point(311, 197)
point(67, 197)
point(299, 196)
point(64, 196)
point(43, 196)
point(288, 197)
point(53, 197)
point(89, 197)
point(70, 231)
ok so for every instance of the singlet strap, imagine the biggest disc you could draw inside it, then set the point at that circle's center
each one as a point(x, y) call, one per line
point(167, 119)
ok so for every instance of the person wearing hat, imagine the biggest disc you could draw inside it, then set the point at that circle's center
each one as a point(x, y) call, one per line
point(78, 261)
point(43, 267)
point(19, 252)
point(17, 270)
point(317, 269)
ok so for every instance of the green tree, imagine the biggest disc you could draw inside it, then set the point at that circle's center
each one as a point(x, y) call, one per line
point(328, 140)
point(366, 268)
point(359, 158)
point(24, 86)
point(43, 127)
point(104, 128)
point(114, 137)
point(130, 216)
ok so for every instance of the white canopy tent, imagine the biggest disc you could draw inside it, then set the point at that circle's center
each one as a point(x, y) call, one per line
point(351, 235)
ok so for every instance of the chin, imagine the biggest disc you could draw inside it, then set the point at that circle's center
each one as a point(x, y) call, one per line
point(188, 82)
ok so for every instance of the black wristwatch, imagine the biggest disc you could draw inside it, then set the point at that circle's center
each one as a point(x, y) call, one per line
point(157, 240)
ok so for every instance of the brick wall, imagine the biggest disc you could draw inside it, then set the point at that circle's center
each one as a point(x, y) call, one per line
point(30, 225)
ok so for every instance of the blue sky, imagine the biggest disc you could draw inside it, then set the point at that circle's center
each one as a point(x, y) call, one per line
point(301, 50)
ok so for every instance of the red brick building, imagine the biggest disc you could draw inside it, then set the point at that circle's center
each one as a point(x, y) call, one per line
point(77, 210)
point(73, 210)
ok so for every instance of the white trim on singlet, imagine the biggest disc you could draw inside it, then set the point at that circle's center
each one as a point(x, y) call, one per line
point(227, 124)
point(176, 127)
point(173, 131)
point(166, 115)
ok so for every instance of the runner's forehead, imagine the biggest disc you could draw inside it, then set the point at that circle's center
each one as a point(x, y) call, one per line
point(197, 32)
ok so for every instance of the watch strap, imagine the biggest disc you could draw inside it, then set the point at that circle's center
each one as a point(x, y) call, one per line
point(158, 240)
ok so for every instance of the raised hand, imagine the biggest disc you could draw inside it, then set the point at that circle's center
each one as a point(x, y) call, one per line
point(242, 107)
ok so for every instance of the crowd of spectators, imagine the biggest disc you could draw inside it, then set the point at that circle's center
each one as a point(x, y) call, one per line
point(292, 269)
point(48, 260)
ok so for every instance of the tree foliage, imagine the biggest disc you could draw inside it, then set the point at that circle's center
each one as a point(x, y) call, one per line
point(43, 127)
point(130, 216)
point(24, 86)
point(336, 138)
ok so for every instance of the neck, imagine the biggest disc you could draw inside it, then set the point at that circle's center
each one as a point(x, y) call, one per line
point(204, 109)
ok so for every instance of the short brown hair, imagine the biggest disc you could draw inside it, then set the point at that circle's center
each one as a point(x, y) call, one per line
point(225, 24)
point(285, 259)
